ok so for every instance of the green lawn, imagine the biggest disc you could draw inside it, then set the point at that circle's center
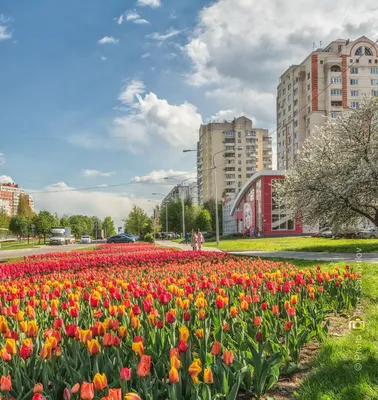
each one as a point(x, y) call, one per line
point(347, 367)
point(298, 244)
point(19, 245)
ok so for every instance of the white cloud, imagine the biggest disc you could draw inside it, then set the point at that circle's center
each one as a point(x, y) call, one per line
point(59, 198)
point(161, 37)
point(103, 58)
point(130, 91)
point(4, 34)
point(6, 179)
point(141, 21)
point(2, 159)
point(223, 115)
point(108, 39)
point(120, 20)
point(131, 16)
point(93, 173)
point(145, 55)
point(150, 3)
point(159, 175)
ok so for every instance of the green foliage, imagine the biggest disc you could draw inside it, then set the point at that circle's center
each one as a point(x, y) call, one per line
point(43, 222)
point(4, 220)
point(108, 226)
point(18, 225)
point(149, 238)
point(203, 220)
point(23, 207)
point(210, 206)
point(136, 221)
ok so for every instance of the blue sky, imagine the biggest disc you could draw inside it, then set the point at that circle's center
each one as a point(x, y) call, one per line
point(97, 93)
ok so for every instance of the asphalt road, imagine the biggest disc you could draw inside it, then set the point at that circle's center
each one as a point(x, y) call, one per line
point(6, 254)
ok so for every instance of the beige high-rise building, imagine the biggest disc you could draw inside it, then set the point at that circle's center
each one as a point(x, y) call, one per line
point(239, 150)
point(305, 101)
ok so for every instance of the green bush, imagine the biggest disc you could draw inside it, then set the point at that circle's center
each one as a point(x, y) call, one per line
point(148, 237)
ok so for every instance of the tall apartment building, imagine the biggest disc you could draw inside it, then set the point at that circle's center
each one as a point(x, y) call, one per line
point(10, 196)
point(239, 149)
point(304, 101)
point(182, 191)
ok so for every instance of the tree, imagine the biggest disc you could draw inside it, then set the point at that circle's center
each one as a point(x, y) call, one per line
point(43, 222)
point(203, 220)
point(335, 180)
point(108, 226)
point(210, 206)
point(24, 207)
point(18, 225)
point(4, 220)
point(136, 221)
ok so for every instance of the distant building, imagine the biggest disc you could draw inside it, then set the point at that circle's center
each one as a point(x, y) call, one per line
point(10, 196)
point(193, 193)
point(239, 149)
point(330, 81)
point(228, 221)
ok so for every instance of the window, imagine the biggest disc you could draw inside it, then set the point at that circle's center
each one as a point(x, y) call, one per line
point(351, 60)
point(295, 123)
point(369, 61)
point(321, 62)
point(289, 87)
point(336, 80)
point(335, 115)
point(308, 109)
point(289, 108)
point(354, 70)
point(295, 102)
point(283, 91)
point(374, 70)
point(289, 98)
point(239, 134)
point(308, 75)
point(295, 91)
point(239, 140)
point(239, 169)
point(354, 81)
point(374, 81)
point(354, 104)
point(335, 68)
point(363, 51)
point(354, 93)
point(336, 92)
point(239, 176)
point(281, 218)
point(339, 48)
point(374, 92)
point(308, 87)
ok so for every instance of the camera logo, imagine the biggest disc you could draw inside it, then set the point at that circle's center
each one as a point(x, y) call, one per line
point(357, 324)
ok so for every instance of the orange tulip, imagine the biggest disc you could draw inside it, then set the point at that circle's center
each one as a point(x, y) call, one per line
point(122, 331)
point(85, 335)
point(115, 394)
point(6, 383)
point(135, 322)
point(93, 346)
point(108, 339)
point(175, 362)
point(38, 388)
point(174, 375)
point(138, 348)
point(294, 299)
point(208, 375)
point(5, 355)
point(87, 391)
point(228, 357)
point(200, 333)
point(46, 350)
point(75, 388)
point(10, 346)
point(215, 350)
point(184, 333)
point(100, 381)
point(132, 396)
point(144, 366)
point(194, 369)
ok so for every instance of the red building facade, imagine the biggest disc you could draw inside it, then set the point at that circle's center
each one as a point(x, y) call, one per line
point(257, 206)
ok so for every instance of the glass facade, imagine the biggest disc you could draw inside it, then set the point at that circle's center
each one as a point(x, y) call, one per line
point(282, 219)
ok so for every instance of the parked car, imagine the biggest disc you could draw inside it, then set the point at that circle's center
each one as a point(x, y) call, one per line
point(326, 234)
point(123, 238)
point(371, 233)
point(72, 239)
point(86, 239)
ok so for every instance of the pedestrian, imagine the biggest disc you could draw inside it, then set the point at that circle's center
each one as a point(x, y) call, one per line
point(200, 240)
point(255, 231)
point(186, 238)
point(194, 241)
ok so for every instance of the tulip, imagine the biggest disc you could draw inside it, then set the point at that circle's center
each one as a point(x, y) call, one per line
point(5, 355)
point(187, 316)
point(194, 369)
point(184, 333)
point(288, 325)
point(170, 317)
point(202, 314)
point(38, 388)
point(93, 346)
point(244, 305)
point(75, 388)
point(132, 396)
point(259, 337)
point(115, 394)
point(10, 346)
point(122, 331)
point(173, 375)
point(71, 330)
point(216, 348)
point(183, 346)
point(200, 333)
point(100, 382)
point(66, 394)
point(125, 374)
point(275, 310)
point(108, 339)
point(85, 335)
point(6, 383)
point(291, 311)
point(233, 312)
point(208, 375)
point(25, 352)
point(138, 348)
point(46, 350)
point(144, 366)
point(135, 322)
point(257, 321)
point(32, 329)
point(38, 396)
point(87, 391)
point(228, 357)
point(175, 362)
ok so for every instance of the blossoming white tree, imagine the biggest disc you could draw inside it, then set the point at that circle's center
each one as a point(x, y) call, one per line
point(335, 180)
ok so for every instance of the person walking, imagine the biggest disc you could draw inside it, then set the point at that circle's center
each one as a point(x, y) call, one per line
point(186, 238)
point(200, 240)
point(194, 241)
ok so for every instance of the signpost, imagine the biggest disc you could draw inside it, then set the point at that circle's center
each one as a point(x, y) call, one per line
point(96, 229)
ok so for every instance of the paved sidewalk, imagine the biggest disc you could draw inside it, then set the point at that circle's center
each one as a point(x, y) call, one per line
point(305, 255)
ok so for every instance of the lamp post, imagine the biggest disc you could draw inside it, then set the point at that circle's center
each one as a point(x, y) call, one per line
point(182, 202)
point(215, 188)
point(152, 201)
point(166, 211)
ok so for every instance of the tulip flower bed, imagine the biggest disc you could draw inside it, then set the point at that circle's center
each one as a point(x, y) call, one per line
point(139, 322)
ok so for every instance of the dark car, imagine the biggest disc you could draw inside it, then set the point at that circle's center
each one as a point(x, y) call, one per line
point(120, 239)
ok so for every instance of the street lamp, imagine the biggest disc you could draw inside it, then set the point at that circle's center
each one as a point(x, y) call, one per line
point(215, 187)
point(156, 202)
point(182, 202)
point(166, 210)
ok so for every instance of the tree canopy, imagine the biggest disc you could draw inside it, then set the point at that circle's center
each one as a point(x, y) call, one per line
point(18, 225)
point(24, 207)
point(136, 221)
point(109, 227)
point(203, 220)
point(335, 180)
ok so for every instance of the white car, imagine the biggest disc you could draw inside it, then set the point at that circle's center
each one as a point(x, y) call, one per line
point(86, 239)
point(371, 233)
